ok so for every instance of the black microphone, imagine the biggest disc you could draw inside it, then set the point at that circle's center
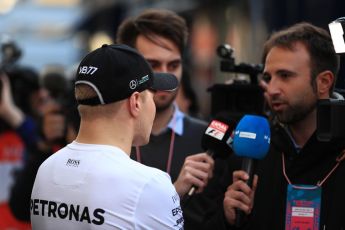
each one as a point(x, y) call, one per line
point(251, 141)
point(217, 138)
point(216, 141)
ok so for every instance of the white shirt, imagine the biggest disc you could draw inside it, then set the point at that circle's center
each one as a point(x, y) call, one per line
point(86, 186)
point(176, 122)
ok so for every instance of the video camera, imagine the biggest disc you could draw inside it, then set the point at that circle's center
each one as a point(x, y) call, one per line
point(227, 64)
point(23, 79)
point(331, 112)
point(239, 97)
point(10, 54)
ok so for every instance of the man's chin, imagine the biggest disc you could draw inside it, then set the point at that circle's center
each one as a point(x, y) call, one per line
point(161, 108)
point(163, 105)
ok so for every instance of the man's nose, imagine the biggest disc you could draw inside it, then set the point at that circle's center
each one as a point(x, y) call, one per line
point(273, 87)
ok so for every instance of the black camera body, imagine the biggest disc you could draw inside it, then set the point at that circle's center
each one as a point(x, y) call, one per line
point(330, 119)
point(227, 64)
point(24, 80)
point(331, 112)
point(237, 98)
point(10, 54)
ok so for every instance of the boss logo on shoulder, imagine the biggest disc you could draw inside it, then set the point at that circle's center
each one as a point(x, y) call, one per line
point(87, 70)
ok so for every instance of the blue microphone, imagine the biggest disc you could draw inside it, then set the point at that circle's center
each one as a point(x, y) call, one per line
point(251, 141)
point(252, 137)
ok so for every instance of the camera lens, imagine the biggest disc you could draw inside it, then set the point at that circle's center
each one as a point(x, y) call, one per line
point(225, 51)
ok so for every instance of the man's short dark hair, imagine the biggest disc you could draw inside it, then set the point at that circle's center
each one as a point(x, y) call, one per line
point(317, 42)
point(160, 22)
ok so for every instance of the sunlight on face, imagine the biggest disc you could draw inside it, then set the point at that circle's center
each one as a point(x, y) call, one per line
point(289, 90)
point(163, 56)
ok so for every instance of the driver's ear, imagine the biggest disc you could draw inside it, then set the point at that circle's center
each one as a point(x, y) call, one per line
point(134, 104)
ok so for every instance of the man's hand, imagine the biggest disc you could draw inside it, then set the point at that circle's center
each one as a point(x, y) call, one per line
point(196, 171)
point(239, 196)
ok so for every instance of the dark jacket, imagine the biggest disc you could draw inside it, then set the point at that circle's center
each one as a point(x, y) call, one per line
point(155, 154)
point(315, 160)
point(312, 164)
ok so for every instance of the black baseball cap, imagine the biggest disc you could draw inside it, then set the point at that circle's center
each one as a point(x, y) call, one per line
point(117, 71)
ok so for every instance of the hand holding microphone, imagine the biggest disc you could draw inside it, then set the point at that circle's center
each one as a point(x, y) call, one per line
point(197, 169)
point(215, 142)
point(251, 142)
point(217, 139)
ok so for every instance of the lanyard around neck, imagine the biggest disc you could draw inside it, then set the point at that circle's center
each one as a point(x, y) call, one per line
point(171, 148)
point(339, 159)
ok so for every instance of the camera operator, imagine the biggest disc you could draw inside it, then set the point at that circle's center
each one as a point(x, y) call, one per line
point(19, 113)
point(27, 131)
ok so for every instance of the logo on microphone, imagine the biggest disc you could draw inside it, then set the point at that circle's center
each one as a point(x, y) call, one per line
point(217, 129)
point(249, 135)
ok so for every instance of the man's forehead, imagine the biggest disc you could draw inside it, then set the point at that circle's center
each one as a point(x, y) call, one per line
point(144, 42)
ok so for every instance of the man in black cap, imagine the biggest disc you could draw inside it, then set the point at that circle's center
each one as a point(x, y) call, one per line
point(92, 183)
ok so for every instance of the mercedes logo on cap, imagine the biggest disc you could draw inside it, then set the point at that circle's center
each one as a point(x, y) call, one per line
point(133, 84)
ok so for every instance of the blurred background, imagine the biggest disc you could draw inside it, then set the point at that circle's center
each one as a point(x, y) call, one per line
point(55, 34)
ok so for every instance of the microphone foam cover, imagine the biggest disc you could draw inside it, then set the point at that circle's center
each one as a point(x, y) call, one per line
point(252, 137)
